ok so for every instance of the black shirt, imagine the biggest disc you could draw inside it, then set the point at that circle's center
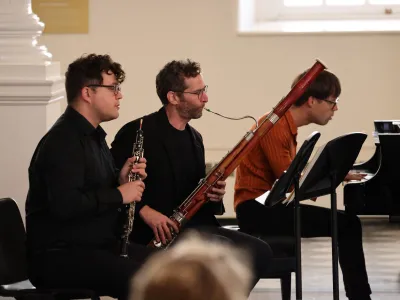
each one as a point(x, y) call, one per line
point(73, 198)
point(187, 174)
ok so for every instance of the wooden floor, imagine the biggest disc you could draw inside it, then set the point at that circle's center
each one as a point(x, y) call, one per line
point(382, 251)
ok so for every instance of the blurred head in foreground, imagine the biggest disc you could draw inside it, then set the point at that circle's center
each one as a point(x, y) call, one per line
point(194, 269)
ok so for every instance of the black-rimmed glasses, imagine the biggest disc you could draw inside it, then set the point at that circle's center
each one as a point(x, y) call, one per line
point(333, 102)
point(116, 88)
point(199, 92)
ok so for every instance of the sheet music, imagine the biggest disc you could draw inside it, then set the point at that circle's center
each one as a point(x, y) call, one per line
point(306, 171)
point(289, 198)
point(261, 199)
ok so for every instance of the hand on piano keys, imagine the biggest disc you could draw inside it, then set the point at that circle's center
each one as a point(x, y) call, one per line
point(355, 176)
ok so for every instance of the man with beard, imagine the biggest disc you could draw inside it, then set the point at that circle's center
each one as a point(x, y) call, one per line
point(175, 163)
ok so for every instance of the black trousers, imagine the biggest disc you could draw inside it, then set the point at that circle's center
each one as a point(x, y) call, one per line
point(101, 270)
point(259, 251)
point(315, 222)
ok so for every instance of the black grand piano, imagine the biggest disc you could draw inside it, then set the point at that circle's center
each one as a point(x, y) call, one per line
point(379, 192)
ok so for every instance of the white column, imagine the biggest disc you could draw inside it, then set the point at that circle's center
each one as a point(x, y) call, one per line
point(30, 92)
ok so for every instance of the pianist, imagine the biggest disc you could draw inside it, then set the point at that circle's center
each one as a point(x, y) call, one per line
point(271, 157)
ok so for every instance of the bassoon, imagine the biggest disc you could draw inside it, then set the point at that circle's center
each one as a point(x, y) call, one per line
point(229, 163)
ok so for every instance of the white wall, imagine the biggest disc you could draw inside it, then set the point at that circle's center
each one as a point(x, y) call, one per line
point(245, 74)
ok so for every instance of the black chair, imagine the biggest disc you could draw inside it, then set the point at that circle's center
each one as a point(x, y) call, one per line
point(13, 262)
point(283, 263)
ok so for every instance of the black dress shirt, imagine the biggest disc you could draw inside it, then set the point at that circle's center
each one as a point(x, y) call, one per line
point(73, 198)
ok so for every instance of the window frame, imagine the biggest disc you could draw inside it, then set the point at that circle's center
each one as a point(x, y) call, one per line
point(272, 10)
point(269, 17)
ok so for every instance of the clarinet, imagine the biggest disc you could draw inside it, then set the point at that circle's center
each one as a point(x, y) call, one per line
point(185, 211)
point(137, 152)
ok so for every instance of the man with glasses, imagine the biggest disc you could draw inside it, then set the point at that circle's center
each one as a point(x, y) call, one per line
point(175, 163)
point(76, 199)
point(271, 157)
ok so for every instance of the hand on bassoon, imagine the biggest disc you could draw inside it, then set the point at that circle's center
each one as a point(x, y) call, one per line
point(159, 223)
point(218, 192)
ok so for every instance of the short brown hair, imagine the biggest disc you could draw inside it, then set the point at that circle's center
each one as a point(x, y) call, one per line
point(172, 77)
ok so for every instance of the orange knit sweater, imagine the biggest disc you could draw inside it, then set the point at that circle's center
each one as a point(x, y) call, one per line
point(267, 161)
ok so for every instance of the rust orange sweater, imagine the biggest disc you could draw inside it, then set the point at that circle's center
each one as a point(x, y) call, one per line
point(267, 161)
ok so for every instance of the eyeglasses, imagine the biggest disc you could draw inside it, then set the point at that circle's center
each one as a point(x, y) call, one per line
point(334, 102)
point(199, 93)
point(116, 88)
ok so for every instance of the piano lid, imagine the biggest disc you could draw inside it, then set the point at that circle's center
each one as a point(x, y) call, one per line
point(385, 127)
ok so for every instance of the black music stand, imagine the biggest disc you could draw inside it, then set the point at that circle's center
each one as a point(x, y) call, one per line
point(326, 171)
point(281, 186)
point(330, 169)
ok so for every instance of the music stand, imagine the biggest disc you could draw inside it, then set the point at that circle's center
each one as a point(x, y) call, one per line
point(281, 186)
point(323, 175)
point(278, 193)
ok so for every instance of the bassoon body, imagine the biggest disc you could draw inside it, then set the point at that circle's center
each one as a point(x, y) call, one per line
point(229, 163)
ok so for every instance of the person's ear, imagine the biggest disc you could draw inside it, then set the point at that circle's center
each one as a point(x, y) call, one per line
point(86, 94)
point(311, 101)
point(173, 98)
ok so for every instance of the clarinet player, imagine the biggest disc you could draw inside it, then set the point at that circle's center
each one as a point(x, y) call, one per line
point(176, 163)
point(76, 197)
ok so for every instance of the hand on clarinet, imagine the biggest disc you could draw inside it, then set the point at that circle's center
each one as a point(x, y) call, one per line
point(130, 165)
point(132, 191)
point(159, 223)
point(218, 192)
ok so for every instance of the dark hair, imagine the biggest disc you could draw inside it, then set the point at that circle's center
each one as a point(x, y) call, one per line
point(172, 77)
point(326, 84)
point(88, 69)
